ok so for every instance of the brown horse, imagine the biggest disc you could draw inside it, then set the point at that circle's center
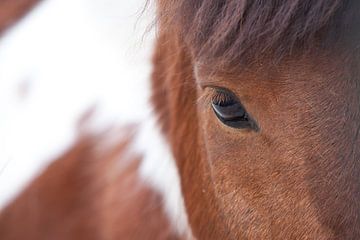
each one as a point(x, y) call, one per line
point(258, 105)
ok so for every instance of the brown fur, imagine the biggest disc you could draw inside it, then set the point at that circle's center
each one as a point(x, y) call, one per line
point(88, 193)
point(299, 176)
point(12, 10)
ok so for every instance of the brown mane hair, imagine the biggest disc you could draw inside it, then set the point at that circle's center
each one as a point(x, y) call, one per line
point(234, 32)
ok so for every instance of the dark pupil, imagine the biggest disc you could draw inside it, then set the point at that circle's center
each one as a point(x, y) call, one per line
point(231, 112)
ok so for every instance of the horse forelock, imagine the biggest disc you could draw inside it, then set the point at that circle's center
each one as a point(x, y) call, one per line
point(233, 32)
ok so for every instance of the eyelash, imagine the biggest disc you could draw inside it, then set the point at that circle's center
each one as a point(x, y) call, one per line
point(221, 98)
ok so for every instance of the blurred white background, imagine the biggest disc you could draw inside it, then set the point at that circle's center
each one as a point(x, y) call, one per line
point(63, 58)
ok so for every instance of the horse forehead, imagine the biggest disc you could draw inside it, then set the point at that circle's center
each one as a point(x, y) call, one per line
point(323, 69)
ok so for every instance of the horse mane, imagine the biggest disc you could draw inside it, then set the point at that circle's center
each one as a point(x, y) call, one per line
point(238, 31)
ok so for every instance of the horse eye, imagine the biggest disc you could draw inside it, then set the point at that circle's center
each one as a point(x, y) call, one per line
point(229, 110)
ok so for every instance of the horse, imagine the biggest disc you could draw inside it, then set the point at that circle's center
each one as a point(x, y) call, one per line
point(254, 135)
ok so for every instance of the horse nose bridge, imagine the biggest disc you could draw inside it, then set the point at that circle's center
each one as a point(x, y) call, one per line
point(355, 142)
point(354, 137)
point(340, 132)
point(347, 152)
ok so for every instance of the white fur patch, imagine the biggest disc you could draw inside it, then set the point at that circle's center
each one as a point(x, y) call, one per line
point(159, 170)
point(55, 64)
point(71, 62)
